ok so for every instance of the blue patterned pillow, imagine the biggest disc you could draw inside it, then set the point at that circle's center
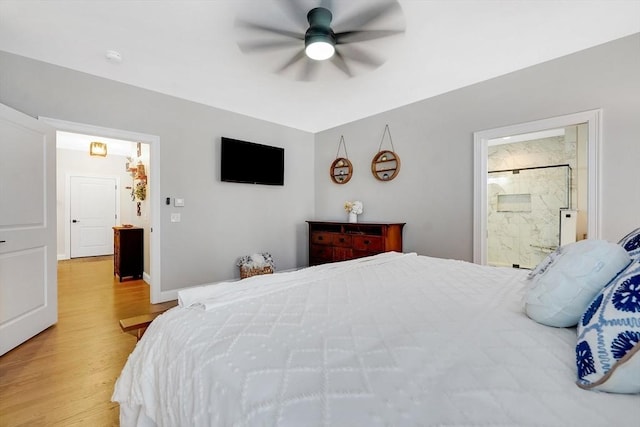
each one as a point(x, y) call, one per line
point(631, 243)
point(608, 349)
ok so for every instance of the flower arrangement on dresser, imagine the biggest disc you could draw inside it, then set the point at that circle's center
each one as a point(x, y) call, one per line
point(255, 264)
point(353, 209)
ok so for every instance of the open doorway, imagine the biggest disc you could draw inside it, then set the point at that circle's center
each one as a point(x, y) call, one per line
point(96, 193)
point(139, 152)
point(528, 201)
point(536, 194)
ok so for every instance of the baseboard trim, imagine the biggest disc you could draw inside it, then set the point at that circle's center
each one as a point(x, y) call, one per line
point(165, 296)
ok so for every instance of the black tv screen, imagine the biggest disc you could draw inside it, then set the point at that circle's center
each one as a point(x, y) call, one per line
point(248, 162)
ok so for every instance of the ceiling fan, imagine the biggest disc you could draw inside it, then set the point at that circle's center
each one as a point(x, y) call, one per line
point(320, 42)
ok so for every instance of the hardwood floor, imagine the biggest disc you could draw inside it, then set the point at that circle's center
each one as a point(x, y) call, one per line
point(65, 375)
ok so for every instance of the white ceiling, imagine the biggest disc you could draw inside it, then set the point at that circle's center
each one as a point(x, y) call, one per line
point(189, 49)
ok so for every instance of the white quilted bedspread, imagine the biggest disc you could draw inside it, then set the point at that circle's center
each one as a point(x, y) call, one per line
point(392, 340)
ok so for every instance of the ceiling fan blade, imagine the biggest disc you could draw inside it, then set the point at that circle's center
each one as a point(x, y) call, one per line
point(295, 58)
point(364, 35)
point(297, 13)
point(338, 60)
point(368, 16)
point(309, 70)
point(266, 45)
point(359, 55)
point(260, 27)
point(327, 4)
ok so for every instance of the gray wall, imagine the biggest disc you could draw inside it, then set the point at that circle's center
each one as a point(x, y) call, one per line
point(433, 192)
point(220, 221)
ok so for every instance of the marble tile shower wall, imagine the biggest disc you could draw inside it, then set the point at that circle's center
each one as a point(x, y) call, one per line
point(523, 213)
point(525, 231)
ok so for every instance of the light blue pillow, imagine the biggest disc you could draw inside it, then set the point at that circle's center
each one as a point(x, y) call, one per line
point(608, 348)
point(631, 243)
point(563, 285)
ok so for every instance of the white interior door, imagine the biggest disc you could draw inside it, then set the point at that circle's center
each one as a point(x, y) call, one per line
point(28, 282)
point(93, 214)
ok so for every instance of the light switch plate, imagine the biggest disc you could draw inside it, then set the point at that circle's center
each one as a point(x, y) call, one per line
point(175, 217)
point(178, 202)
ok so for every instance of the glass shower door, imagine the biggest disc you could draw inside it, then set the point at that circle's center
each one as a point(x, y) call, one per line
point(523, 213)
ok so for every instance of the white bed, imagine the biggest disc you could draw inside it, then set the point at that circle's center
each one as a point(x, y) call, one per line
point(394, 340)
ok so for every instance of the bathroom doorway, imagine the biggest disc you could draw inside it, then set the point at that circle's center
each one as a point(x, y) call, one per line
point(533, 192)
point(535, 188)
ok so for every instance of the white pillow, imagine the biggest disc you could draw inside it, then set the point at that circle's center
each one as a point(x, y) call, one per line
point(608, 348)
point(564, 284)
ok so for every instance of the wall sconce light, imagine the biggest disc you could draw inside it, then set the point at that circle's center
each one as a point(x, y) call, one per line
point(98, 149)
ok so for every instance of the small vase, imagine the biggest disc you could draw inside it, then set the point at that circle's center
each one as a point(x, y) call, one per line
point(353, 218)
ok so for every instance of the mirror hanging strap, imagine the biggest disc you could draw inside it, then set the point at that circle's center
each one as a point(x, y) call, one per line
point(386, 132)
point(344, 145)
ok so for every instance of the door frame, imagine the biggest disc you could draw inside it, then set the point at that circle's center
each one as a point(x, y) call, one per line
point(593, 119)
point(67, 205)
point(154, 277)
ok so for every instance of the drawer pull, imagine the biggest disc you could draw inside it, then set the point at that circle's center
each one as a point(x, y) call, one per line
point(320, 238)
point(366, 242)
point(342, 240)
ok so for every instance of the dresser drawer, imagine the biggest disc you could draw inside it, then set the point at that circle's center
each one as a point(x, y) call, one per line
point(321, 238)
point(342, 254)
point(368, 243)
point(362, 254)
point(321, 252)
point(342, 240)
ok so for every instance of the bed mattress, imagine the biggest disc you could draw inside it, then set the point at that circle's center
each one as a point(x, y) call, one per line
point(393, 340)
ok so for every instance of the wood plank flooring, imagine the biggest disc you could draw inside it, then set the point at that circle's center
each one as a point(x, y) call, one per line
point(65, 375)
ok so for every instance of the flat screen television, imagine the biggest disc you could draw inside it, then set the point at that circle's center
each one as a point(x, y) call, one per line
point(248, 162)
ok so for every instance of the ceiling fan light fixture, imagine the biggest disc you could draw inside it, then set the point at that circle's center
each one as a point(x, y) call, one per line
point(320, 50)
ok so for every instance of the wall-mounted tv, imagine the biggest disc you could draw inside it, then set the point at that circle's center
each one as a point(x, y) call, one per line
point(248, 162)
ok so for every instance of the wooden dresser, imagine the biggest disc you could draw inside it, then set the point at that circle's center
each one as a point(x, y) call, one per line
point(128, 252)
point(340, 241)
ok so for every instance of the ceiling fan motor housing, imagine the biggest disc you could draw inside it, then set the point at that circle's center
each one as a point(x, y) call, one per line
point(319, 27)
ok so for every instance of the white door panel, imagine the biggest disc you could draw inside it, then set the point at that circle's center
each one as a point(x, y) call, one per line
point(93, 214)
point(18, 301)
point(28, 283)
point(22, 171)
